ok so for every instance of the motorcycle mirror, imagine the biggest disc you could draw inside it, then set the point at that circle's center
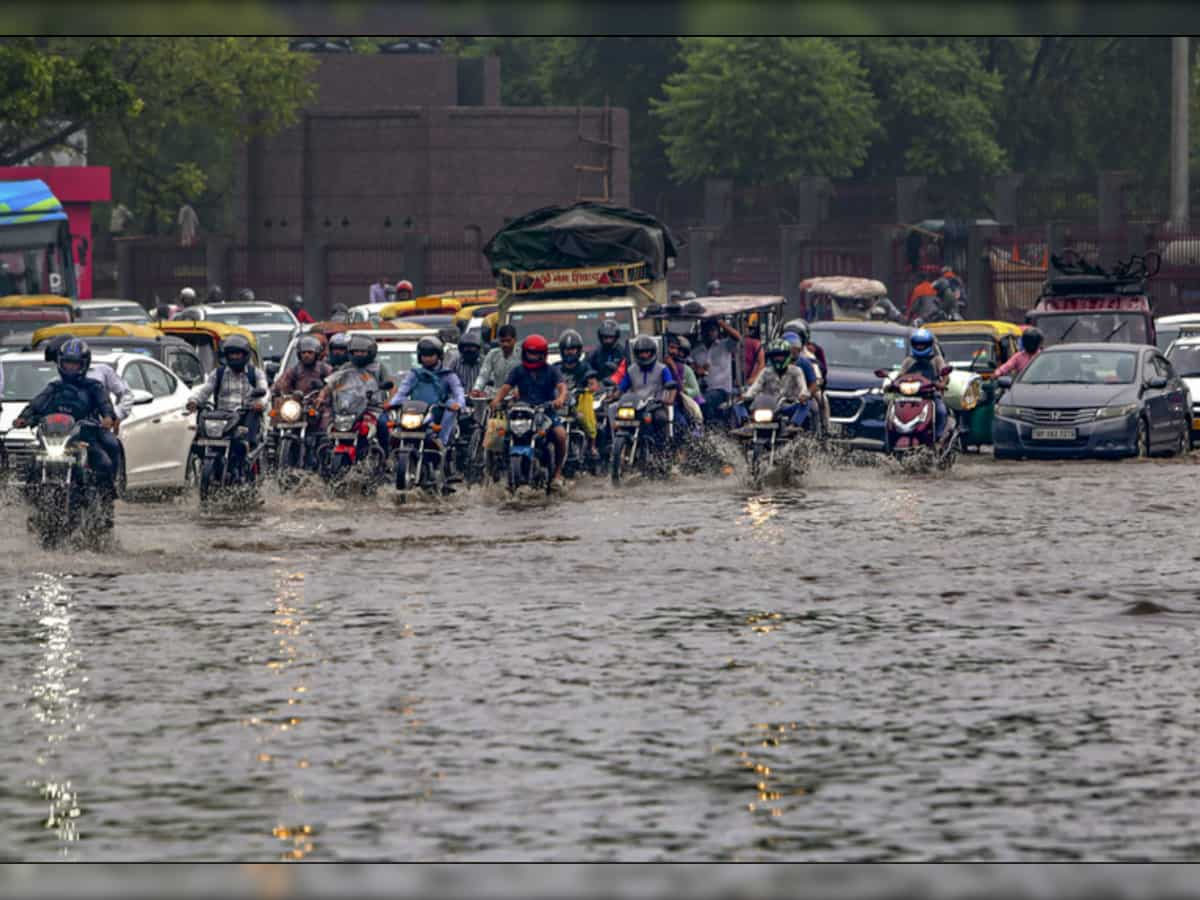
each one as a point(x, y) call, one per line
point(946, 371)
point(257, 393)
point(140, 397)
point(881, 373)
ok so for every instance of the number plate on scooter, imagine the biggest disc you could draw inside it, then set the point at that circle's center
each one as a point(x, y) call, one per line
point(1054, 434)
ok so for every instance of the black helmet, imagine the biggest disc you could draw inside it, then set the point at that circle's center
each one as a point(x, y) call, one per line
point(470, 341)
point(235, 343)
point(339, 349)
point(215, 294)
point(449, 334)
point(308, 344)
point(798, 327)
point(645, 351)
point(54, 345)
point(683, 344)
point(1031, 340)
point(608, 329)
point(245, 295)
point(713, 288)
point(362, 350)
point(570, 345)
point(430, 346)
point(74, 352)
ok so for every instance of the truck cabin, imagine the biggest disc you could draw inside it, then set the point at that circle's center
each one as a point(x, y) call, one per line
point(1093, 309)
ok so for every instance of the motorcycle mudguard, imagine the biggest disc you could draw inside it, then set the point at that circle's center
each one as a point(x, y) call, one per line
point(903, 443)
point(521, 450)
point(348, 449)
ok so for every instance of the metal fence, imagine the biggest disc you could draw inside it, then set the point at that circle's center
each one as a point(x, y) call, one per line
point(273, 272)
point(456, 265)
point(160, 271)
point(751, 265)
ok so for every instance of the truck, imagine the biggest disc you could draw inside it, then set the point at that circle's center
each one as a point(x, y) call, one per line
point(577, 267)
point(35, 242)
point(1085, 303)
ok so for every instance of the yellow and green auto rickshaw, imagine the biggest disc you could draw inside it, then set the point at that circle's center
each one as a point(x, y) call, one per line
point(978, 347)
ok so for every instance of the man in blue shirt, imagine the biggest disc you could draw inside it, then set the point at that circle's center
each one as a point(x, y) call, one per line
point(538, 384)
point(430, 383)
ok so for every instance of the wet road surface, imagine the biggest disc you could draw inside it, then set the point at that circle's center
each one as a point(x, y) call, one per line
point(999, 663)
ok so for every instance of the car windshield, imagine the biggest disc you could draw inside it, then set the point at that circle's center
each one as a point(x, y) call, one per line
point(861, 349)
point(963, 350)
point(1186, 360)
point(26, 326)
point(1081, 367)
point(1165, 335)
point(397, 360)
point(272, 344)
point(551, 324)
point(99, 313)
point(25, 378)
point(251, 317)
point(1094, 327)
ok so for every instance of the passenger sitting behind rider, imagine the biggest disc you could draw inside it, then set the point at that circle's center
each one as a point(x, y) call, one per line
point(230, 386)
point(581, 379)
point(926, 361)
point(782, 379)
point(538, 384)
point(432, 384)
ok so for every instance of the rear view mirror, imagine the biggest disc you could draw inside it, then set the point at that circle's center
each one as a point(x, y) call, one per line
point(1157, 382)
point(272, 369)
point(140, 397)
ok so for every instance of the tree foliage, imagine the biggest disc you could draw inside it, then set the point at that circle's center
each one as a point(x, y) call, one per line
point(766, 110)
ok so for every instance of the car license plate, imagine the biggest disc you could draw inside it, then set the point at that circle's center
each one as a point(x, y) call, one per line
point(837, 430)
point(1054, 434)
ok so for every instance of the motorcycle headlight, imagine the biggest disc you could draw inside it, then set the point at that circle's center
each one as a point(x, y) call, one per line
point(56, 449)
point(290, 411)
point(764, 416)
point(343, 423)
point(410, 421)
point(1116, 412)
point(627, 412)
point(214, 428)
point(910, 388)
point(520, 426)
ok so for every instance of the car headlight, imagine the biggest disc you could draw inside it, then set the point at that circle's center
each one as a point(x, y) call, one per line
point(764, 416)
point(1009, 412)
point(1116, 412)
point(410, 421)
point(970, 396)
point(290, 411)
point(627, 412)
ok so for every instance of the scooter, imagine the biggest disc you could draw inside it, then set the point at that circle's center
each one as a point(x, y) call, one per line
point(910, 423)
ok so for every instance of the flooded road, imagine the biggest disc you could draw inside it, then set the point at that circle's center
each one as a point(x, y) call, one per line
point(996, 664)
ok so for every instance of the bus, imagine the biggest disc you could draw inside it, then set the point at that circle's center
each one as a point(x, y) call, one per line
point(35, 242)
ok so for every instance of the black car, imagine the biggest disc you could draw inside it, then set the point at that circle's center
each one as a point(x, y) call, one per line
point(175, 353)
point(1104, 399)
point(853, 351)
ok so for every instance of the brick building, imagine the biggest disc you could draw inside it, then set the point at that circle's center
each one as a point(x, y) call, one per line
point(403, 166)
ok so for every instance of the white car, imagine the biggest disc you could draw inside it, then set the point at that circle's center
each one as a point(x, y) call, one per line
point(364, 311)
point(156, 437)
point(272, 325)
point(98, 310)
point(1184, 357)
point(1168, 328)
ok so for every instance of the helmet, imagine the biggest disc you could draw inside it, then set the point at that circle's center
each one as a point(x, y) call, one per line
point(878, 313)
point(449, 334)
point(792, 339)
point(675, 296)
point(470, 341)
point(689, 295)
point(76, 354)
point(215, 294)
point(920, 343)
point(608, 329)
point(339, 313)
point(779, 354)
point(798, 327)
point(570, 340)
point(187, 295)
point(362, 350)
point(430, 346)
point(1031, 340)
point(235, 343)
point(404, 285)
point(534, 350)
point(54, 345)
point(683, 344)
point(296, 302)
point(713, 288)
point(245, 295)
point(339, 349)
point(645, 351)
point(308, 344)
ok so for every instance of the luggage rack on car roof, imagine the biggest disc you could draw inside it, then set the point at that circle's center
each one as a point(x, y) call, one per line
point(1079, 277)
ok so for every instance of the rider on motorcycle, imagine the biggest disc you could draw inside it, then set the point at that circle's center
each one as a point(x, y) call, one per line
point(783, 379)
point(579, 377)
point(539, 384)
point(608, 355)
point(230, 386)
point(467, 366)
point(309, 372)
point(73, 392)
point(924, 359)
point(113, 383)
point(1031, 345)
point(339, 350)
point(430, 383)
point(648, 378)
point(687, 398)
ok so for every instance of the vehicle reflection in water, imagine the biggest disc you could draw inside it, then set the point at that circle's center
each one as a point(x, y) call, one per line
point(55, 700)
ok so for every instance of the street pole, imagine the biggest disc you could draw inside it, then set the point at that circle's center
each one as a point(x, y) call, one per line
point(1179, 133)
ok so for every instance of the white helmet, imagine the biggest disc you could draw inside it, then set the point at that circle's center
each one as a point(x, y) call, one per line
point(187, 295)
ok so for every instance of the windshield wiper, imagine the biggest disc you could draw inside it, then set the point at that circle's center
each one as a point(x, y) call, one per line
point(1123, 323)
point(1070, 328)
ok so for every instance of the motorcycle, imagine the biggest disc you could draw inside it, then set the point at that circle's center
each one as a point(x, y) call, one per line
point(530, 449)
point(634, 443)
point(351, 443)
point(767, 436)
point(910, 422)
point(59, 485)
point(296, 436)
point(217, 433)
point(416, 461)
point(470, 455)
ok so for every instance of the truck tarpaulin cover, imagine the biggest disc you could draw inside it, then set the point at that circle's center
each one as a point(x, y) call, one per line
point(558, 237)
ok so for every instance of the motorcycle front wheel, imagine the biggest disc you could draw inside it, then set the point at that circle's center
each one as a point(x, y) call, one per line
point(210, 477)
point(516, 472)
point(616, 462)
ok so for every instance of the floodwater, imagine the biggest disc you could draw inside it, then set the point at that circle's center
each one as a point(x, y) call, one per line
point(999, 663)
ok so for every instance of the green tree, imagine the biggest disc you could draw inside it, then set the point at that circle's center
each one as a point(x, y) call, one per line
point(520, 59)
point(937, 107)
point(765, 110)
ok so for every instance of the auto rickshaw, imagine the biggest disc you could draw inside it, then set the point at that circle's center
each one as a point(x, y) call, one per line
point(207, 337)
point(39, 301)
point(421, 306)
point(840, 297)
point(977, 347)
point(96, 329)
point(462, 318)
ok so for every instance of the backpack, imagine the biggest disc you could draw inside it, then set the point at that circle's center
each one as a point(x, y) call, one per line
point(251, 376)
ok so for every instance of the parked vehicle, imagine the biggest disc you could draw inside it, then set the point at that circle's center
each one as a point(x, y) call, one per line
point(1097, 399)
point(1184, 357)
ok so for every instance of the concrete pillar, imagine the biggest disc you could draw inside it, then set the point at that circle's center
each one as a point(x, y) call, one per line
point(911, 199)
point(812, 194)
point(795, 260)
point(699, 249)
point(216, 256)
point(718, 202)
point(415, 243)
point(1006, 190)
point(125, 285)
point(316, 276)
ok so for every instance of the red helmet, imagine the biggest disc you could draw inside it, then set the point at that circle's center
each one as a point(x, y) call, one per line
point(535, 343)
point(404, 285)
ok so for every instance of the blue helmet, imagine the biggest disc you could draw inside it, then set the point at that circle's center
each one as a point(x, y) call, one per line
point(77, 354)
point(920, 343)
point(792, 338)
